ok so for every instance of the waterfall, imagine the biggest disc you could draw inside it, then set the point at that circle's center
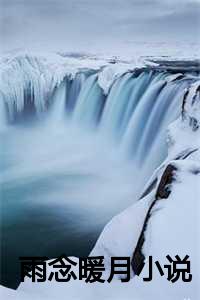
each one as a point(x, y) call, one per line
point(58, 113)
point(140, 84)
point(89, 103)
point(134, 114)
point(116, 104)
point(137, 125)
point(87, 153)
point(75, 88)
point(3, 121)
point(64, 98)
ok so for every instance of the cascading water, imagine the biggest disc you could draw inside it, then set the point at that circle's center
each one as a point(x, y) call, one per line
point(89, 103)
point(3, 121)
point(74, 90)
point(62, 183)
point(59, 103)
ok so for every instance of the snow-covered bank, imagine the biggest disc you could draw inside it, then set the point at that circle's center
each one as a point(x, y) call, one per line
point(173, 225)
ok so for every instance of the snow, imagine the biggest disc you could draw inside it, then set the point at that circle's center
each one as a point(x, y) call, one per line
point(175, 226)
point(174, 77)
point(127, 226)
point(111, 73)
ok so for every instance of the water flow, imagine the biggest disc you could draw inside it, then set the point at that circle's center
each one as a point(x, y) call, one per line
point(140, 85)
point(90, 103)
point(116, 104)
point(3, 121)
point(58, 112)
point(74, 91)
point(140, 117)
point(156, 114)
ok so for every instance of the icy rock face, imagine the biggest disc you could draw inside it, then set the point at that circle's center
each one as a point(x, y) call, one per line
point(191, 106)
point(36, 77)
point(184, 133)
point(29, 74)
